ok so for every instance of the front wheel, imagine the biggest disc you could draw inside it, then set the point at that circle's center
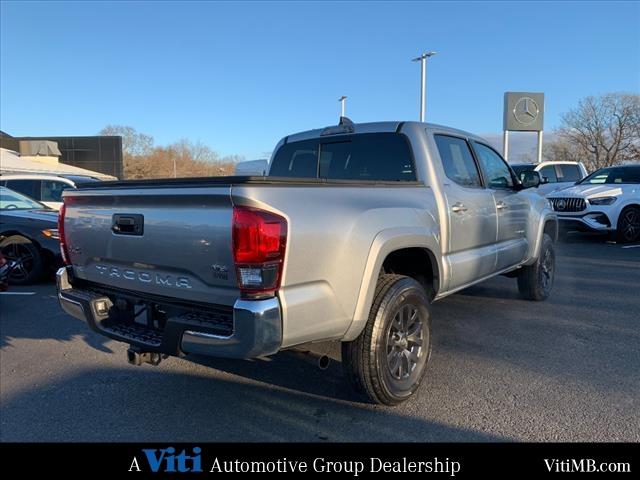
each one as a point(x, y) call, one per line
point(389, 358)
point(535, 281)
point(628, 229)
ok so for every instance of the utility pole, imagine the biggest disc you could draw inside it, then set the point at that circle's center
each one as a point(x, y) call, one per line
point(423, 81)
point(342, 101)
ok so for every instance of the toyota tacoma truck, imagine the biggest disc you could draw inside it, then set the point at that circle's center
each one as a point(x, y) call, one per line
point(353, 232)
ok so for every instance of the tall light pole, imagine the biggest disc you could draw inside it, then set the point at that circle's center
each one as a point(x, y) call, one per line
point(342, 101)
point(423, 81)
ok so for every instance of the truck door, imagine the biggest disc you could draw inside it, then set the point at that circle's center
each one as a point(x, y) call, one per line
point(512, 207)
point(471, 214)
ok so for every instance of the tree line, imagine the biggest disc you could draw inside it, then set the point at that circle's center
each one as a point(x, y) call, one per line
point(184, 158)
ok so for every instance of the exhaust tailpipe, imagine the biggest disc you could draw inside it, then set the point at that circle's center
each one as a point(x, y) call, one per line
point(321, 360)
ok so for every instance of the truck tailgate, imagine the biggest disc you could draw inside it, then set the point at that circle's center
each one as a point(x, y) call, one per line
point(165, 240)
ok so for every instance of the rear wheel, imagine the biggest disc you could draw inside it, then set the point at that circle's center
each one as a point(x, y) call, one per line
point(29, 264)
point(535, 281)
point(388, 360)
point(628, 229)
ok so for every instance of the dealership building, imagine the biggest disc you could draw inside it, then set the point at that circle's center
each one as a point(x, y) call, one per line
point(101, 154)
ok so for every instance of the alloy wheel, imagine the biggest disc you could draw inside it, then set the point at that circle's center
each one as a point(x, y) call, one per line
point(546, 270)
point(23, 259)
point(630, 224)
point(405, 340)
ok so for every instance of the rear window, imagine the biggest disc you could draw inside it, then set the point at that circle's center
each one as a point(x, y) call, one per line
point(367, 156)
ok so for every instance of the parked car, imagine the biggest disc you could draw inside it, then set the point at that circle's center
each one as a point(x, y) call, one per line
point(608, 200)
point(28, 237)
point(5, 271)
point(354, 232)
point(555, 175)
point(254, 168)
point(46, 189)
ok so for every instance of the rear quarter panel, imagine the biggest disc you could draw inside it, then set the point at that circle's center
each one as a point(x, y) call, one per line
point(336, 237)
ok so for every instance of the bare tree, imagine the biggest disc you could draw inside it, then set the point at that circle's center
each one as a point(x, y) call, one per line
point(561, 150)
point(606, 128)
point(134, 143)
point(180, 159)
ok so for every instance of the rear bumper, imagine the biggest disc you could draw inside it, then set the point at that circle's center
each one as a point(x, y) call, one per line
point(256, 328)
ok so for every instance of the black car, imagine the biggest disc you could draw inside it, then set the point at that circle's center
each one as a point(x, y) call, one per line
point(28, 237)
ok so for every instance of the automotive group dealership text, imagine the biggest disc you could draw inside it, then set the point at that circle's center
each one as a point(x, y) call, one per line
point(168, 461)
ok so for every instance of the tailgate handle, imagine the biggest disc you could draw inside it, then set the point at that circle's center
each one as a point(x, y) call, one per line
point(127, 224)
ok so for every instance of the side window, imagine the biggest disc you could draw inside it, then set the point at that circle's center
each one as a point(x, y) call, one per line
point(549, 172)
point(568, 173)
point(51, 191)
point(495, 168)
point(30, 188)
point(457, 161)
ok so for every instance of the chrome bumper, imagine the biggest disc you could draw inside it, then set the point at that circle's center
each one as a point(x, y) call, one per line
point(257, 326)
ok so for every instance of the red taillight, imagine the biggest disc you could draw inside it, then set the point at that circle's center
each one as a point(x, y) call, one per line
point(259, 241)
point(63, 241)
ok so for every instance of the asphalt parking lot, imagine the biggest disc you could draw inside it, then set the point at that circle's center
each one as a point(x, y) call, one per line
point(502, 369)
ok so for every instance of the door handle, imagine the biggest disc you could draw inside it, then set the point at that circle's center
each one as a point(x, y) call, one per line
point(459, 207)
point(125, 224)
point(501, 205)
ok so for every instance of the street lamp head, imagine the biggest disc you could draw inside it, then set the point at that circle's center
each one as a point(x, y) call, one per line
point(343, 97)
point(424, 56)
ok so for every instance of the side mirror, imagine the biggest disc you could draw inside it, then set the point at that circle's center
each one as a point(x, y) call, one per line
point(530, 179)
point(544, 180)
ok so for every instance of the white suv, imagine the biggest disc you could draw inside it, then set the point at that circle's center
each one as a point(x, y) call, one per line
point(46, 189)
point(555, 175)
point(608, 200)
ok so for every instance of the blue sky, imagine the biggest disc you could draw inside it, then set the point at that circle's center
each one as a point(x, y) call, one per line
point(238, 76)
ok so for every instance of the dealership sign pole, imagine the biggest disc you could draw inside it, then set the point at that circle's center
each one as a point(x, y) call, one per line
point(523, 112)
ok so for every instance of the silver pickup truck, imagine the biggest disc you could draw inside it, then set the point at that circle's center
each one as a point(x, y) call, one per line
point(355, 230)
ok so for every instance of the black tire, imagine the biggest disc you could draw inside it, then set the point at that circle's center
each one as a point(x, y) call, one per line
point(628, 228)
point(29, 266)
point(536, 281)
point(389, 358)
